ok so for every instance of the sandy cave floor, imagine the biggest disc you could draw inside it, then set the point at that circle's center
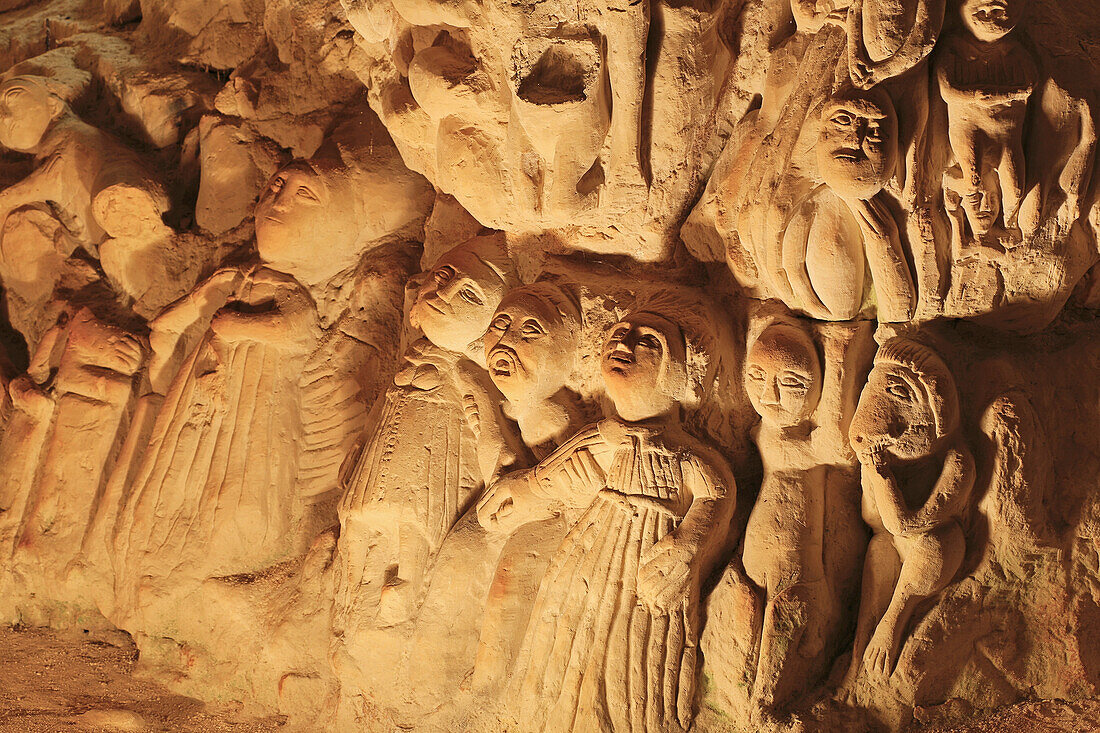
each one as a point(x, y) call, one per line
point(54, 681)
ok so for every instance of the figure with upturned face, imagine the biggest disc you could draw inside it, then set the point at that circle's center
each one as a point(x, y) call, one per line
point(613, 635)
point(432, 443)
point(917, 474)
point(986, 76)
point(845, 225)
point(531, 353)
point(266, 372)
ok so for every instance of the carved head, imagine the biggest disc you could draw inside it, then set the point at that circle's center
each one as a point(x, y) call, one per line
point(531, 344)
point(783, 375)
point(27, 109)
point(909, 404)
point(456, 302)
point(991, 20)
point(307, 223)
point(644, 365)
point(857, 143)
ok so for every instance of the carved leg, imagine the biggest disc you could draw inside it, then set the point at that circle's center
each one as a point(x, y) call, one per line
point(880, 572)
point(627, 34)
point(1010, 172)
point(930, 563)
point(964, 144)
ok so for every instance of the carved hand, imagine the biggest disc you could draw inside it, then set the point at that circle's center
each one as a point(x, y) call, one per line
point(667, 575)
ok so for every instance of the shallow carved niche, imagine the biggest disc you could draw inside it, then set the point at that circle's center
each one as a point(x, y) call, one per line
point(553, 104)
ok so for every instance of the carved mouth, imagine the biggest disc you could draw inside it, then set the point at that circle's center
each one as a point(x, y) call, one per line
point(619, 361)
point(848, 154)
point(503, 363)
point(274, 219)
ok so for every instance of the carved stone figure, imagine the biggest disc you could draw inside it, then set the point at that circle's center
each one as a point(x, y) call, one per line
point(917, 475)
point(293, 349)
point(986, 76)
point(784, 551)
point(655, 508)
point(421, 463)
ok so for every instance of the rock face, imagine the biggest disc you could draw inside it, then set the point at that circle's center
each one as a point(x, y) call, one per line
point(616, 366)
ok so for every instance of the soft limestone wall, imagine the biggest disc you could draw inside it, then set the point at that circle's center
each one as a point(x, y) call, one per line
point(613, 366)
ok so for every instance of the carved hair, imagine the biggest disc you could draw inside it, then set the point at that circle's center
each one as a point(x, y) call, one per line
point(933, 376)
point(690, 315)
point(561, 299)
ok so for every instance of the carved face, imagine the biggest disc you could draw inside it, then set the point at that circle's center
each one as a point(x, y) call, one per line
point(299, 227)
point(991, 20)
point(26, 112)
point(529, 348)
point(856, 145)
point(456, 302)
point(783, 376)
point(983, 204)
point(643, 365)
point(894, 413)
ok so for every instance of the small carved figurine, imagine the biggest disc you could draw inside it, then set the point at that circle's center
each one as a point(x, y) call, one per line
point(917, 474)
point(783, 553)
point(613, 635)
point(845, 225)
point(242, 465)
point(986, 77)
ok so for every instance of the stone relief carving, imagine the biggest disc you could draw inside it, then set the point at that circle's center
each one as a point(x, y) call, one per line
point(917, 474)
point(655, 506)
point(549, 397)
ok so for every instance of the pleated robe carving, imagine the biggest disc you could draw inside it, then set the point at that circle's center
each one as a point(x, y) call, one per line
point(595, 657)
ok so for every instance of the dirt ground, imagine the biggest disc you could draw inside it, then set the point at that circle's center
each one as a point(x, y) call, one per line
point(56, 683)
point(53, 682)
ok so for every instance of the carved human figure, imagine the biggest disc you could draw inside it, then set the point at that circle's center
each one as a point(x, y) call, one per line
point(887, 38)
point(783, 552)
point(986, 76)
point(612, 640)
point(845, 225)
point(422, 463)
point(917, 474)
point(241, 468)
point(531, 351)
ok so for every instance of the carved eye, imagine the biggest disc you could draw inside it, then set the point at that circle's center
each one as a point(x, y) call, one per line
point(501, 323)
point(470, 296)
point(900, 390)
point(650, 342)
point(757, 374)
point(443, 275)
point(305, 193)
point(532, 328)
point(619, 333)
point(792, 381)
point(843, 119)
point(277, 183)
